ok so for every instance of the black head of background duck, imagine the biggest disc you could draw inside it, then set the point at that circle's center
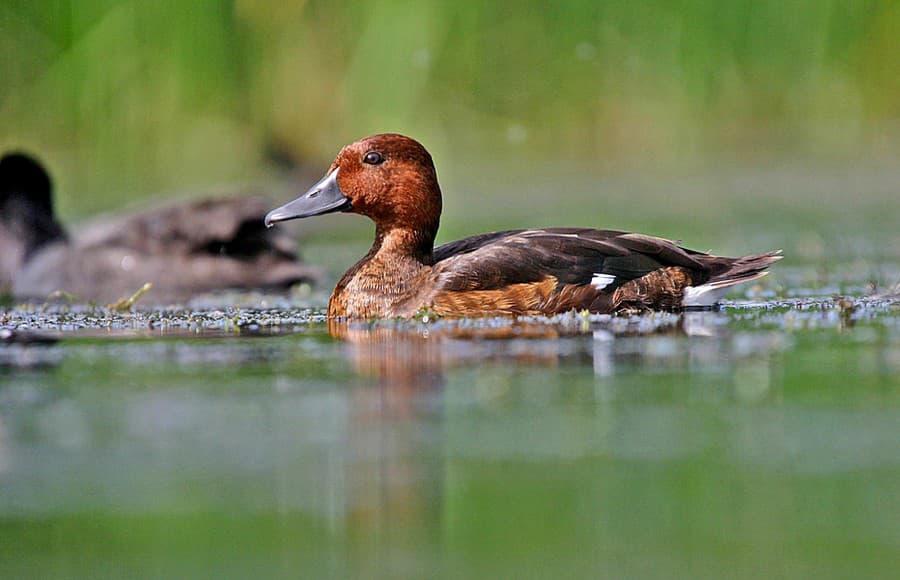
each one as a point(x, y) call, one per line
point(27, 220)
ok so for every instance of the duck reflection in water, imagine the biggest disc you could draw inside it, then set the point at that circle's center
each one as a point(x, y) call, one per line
point(410, 359)
point(397, 416)
point(472, 386)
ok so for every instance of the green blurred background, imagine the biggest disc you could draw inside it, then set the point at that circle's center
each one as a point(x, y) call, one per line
point(615, 114)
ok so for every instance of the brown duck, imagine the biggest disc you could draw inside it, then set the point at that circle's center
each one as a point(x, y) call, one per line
point(391, 179)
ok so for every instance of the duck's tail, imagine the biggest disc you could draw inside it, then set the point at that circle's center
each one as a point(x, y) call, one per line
point(725, 273)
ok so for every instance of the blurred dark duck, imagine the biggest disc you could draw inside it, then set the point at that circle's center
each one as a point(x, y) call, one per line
point(182, 249)
point(391, 179)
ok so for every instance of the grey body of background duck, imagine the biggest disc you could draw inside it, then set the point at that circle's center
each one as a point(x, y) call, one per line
point(182, 249)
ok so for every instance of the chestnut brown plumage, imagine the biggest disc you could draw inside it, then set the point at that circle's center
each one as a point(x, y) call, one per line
point(391, 179)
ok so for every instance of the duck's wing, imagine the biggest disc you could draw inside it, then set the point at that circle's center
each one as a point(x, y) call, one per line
point(470, 244)
point(570, 255)
point(553, 269)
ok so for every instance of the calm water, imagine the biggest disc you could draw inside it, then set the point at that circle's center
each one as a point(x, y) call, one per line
point(757, 441)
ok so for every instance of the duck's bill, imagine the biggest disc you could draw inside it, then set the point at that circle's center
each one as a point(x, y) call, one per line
point(323, 197)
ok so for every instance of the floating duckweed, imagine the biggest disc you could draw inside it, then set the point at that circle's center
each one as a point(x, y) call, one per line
point(785, 314)
point(426, 315)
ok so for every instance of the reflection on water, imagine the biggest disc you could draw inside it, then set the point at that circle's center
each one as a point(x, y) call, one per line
point(668, 445)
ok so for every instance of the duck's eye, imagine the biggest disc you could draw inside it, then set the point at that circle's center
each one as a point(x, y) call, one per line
point(373, 158)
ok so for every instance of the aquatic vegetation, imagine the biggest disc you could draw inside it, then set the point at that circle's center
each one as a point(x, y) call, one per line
point(125, 304)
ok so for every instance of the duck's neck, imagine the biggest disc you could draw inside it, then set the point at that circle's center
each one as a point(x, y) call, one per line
point(406, 244)
point(383, 282)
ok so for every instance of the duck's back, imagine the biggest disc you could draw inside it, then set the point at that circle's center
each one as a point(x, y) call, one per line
point(182, 249)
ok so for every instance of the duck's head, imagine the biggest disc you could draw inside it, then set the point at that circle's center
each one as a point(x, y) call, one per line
point(389, 178)
point(23, 178)
point(26, 204)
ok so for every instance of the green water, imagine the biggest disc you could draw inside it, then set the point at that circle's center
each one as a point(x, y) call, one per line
point(760, 441)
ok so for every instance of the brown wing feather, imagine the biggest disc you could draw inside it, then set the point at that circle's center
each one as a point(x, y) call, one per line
point(572, 256)
point(551, 270)
point(470, 244)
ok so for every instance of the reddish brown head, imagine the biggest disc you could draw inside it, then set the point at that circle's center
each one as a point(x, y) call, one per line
point(389, 178)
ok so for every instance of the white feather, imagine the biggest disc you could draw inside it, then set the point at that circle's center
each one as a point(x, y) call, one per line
point(601, 281)
point(705, 295)
point(710, 294)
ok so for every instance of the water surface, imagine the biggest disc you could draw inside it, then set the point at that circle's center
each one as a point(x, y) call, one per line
point(757, 440)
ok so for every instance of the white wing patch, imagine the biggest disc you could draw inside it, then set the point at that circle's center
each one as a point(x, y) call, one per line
point(601, 281)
